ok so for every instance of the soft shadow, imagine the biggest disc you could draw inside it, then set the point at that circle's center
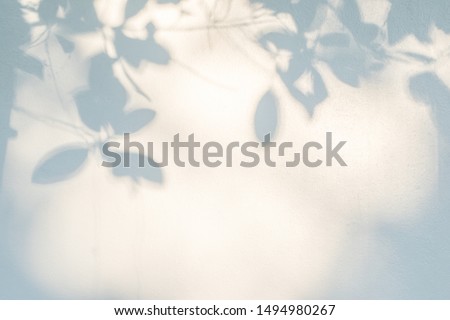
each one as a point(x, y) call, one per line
point(266, 116)
point(351, 52)
point(416, 17)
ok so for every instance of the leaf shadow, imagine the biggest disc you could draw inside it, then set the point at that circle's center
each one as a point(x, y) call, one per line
point(136, 51)
point(350, 51)
point(266, 116)
point(415, 17)
point(138, 169)
point(103, 103)
point(60, 164)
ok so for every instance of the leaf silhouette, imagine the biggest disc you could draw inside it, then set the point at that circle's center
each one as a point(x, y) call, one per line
point(304, 12)
point(351, 52)
point(348, 68)
point(301, 67)
point(133, 121)
point(96, 108)
point(105, 100)
point(133, 7)
point(416, 17)
point(30, 65)
point(80, 16)
point(266, 116)
point(60, 164)
point(287, 41)
point(419, 57)
point(335, 40)
point(135, 51)
point(67, 45)
point(350, 16)
point(48, 10)
point(138, 169)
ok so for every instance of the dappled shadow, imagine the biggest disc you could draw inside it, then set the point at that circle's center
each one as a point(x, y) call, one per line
point(421, 255)
point(351, 51)
point(14, 33)
point(60, 164)
point(138, 169)
point(415, 17)
point(135, 51)
point(266, 116)
point(429, 89)
point(102, 105)
point(356, 50)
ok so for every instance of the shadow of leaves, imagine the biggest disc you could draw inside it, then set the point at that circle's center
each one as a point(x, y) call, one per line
point(59, 165)
point(103, 104)
point(266, 116)
point(135, 51)
point(429, 89)
point(137, 168)
point(351, 51)
point(416, 17)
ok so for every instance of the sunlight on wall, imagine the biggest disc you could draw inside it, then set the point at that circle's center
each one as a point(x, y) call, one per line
point(222, 233)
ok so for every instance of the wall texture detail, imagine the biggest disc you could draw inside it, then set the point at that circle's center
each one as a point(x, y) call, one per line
point(75, 74)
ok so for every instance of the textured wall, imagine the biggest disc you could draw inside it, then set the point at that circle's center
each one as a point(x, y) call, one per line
point(78, 73)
